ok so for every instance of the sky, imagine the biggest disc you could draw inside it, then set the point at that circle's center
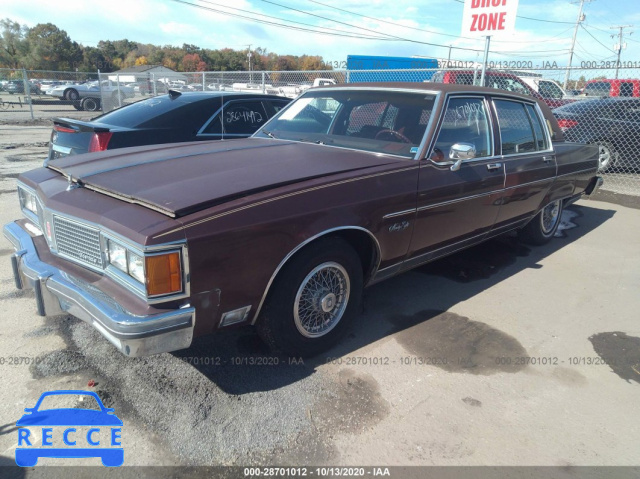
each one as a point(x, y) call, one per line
point(544, 28)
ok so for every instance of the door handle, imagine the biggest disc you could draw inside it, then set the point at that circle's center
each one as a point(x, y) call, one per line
point(547, 159)
point(494, 166)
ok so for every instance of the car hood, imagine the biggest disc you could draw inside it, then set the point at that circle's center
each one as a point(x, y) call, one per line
point(182, 178)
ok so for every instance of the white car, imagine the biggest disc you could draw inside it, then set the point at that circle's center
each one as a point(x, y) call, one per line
point(75, 92)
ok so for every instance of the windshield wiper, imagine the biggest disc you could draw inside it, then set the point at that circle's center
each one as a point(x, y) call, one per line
point(307, 140)
point(269, 134)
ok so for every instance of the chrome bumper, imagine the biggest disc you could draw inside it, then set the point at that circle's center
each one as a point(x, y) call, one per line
point(599, 182)
point(57, 292)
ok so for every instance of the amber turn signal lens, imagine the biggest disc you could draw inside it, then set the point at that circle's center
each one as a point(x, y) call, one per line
point(164, 275)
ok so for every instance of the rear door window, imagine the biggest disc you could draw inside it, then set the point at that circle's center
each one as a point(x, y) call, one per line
point(516, 130)
point(538, 129)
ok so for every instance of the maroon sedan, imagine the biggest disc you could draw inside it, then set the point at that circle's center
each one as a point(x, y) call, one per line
point(346, 186)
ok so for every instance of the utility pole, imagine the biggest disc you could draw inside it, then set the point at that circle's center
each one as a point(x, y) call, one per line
point(580, 19)
point(249, 56)
point(619, 46)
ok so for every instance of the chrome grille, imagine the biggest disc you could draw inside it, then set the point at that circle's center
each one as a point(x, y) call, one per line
point(77, 241)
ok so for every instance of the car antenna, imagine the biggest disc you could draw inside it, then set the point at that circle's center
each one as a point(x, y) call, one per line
point(174, 94)
point(222, 116)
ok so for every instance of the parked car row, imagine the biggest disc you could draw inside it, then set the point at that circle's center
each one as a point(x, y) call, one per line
point(613, 124)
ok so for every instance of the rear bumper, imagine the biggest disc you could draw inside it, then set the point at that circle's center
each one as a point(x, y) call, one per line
point(594, 186)
point(58, 292)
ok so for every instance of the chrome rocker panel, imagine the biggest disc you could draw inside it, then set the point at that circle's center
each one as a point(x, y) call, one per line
point(57, 292)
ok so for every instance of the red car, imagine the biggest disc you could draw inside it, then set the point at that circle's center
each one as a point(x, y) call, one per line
point(604, 88)
point(494, 79)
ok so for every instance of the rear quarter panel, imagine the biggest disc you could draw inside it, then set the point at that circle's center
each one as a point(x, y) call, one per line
point(577, 166)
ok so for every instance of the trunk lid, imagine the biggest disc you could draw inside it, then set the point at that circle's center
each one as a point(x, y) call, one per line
point(73, 137)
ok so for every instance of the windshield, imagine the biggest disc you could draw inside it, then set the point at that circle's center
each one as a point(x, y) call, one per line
point(374, 120)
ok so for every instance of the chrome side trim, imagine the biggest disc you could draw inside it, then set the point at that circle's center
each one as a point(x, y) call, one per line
point(594, 170)
point(288, 195)
point(399, 213)
point(302, 245)
point(457, 200)
point(433, 254)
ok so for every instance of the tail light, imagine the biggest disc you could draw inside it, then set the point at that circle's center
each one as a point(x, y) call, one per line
point(566, 124)
point(100, 141)
point(63, 129)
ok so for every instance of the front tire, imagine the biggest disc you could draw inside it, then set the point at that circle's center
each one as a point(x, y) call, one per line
point(72, 95)
point(313, 300)
point(91, 104)
point(544, 225)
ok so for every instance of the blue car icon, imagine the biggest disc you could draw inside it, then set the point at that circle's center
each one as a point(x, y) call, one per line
point(104, 428)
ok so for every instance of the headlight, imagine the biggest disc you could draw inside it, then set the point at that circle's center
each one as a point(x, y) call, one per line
point(28, 201)
point(118, 256)
point(161, 273)
point(136, 267)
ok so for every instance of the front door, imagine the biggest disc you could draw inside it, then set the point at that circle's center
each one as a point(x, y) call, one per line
point(457, 201)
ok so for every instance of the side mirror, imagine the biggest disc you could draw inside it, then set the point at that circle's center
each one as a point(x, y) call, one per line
point(460, 152)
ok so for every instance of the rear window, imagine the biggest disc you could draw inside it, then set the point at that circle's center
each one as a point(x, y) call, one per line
point(598, 88)
point(162, 111)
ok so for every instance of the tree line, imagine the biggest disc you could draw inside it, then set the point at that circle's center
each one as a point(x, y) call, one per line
point(47, 47)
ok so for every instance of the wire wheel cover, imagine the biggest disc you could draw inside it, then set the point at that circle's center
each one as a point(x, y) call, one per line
point(321, 300)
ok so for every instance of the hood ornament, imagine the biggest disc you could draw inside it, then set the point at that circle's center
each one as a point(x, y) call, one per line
point(73, 185)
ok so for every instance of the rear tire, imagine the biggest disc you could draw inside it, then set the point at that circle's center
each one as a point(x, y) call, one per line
point(313, 300)
point(607, 156)
point(544, 225)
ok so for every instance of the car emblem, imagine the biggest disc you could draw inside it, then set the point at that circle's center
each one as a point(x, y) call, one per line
point(396, 227)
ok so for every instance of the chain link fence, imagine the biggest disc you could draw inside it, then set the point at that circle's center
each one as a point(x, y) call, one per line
point(30, 94)
point(594, 107)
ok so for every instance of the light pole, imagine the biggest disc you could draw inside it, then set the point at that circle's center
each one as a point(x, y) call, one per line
point(250, 74)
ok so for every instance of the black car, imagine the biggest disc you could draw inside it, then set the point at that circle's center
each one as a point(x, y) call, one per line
point(171, 118)
point(612, 123)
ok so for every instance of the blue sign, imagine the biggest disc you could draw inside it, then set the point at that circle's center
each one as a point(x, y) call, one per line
point(85, 432)
point(358, 64)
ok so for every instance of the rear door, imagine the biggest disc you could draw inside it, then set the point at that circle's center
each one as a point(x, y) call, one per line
point(457, 207)
point(529, 160)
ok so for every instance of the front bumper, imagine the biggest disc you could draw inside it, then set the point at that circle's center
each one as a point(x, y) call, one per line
point(58, 292)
